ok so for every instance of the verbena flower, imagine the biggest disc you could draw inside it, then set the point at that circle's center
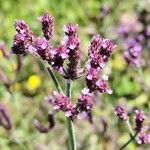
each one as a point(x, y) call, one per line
point(133, 32)
point(85, 101)
point(104, 10)
point(20, 44)
point(65, 58)
point(132, 52)
point(43, 48)
point(99, 51)
point(47, 25)
point(23, 37)
point(143, 138)
point(121, 113)
point(62, 102)
point(22, 28)
point(72, 44)
point(139, 120)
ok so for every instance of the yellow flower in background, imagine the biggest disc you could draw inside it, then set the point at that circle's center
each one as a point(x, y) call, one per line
point(1, 53)
point(33, 82)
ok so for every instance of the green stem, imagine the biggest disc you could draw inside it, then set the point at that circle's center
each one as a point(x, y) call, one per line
point(69, 122)
point(129, 128)
point(128, 142)
point(72, 143)
point(55, 81)
point(132, 136)
point(140, 71)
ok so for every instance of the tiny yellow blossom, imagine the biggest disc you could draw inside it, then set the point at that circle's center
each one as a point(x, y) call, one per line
point(33, 82)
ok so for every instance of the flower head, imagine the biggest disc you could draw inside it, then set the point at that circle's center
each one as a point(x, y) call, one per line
point(72, 44)
point(85, 101)
point(22, 28)
point(104, 10)
point(70, 29)
point(139, 119)
point(121, 113)
point(143, 138)
point(102, 86)
point(47, 25)
point(43, 48)
point(20, 44)
point(62, 102)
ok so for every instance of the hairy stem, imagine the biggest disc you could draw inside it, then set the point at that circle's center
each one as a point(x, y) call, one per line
point(70, 127)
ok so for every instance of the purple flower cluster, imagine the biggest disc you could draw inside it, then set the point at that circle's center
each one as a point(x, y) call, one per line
point(121, 113)
point(47, 25)
point(133, 49)
point(139, 120)
point(68, 49)
point(62, 102)
point(98, 52)
point(23, 37)
point(143, 138)
point(85, 101)
point(80, 110)
point(65, 58)
point(139, 117)
point(43, 48)
point(134, 33)
point(104, 10)
point(72, 42)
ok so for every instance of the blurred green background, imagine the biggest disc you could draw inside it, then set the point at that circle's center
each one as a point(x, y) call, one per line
point(24, 98)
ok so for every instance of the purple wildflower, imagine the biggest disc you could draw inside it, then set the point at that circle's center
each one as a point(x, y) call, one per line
point(85, 101)
point(99, 51)
point(43, 48)
point(102, 86)
point(143, 138)
point(62, 102)
point(60, 54)
point(47, 25)
point(132, 52)
point(139, 120)
point(22, 28)
point(121, 113)
point(70, 29)
point(92, 76)
point(22, 39)
point(104, 10)
point(72, 44)
point(20, 44)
